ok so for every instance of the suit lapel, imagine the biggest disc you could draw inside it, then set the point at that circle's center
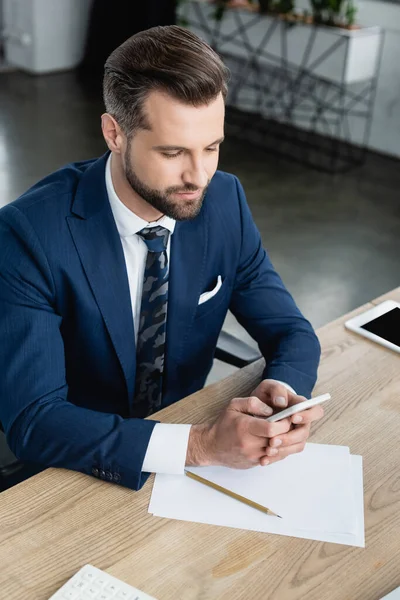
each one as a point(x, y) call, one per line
point(99, 246)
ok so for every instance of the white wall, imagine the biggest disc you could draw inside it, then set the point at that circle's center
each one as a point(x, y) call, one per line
point(385, 130)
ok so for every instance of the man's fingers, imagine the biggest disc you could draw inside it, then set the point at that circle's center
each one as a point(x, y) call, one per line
point(279, 395)
point(282, 453)
point(308, 416)
point(273, 393)
point(262, 428)
point(251, 406)
point(294, 436)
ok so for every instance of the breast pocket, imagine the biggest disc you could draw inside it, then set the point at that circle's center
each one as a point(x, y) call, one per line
point(212, 299)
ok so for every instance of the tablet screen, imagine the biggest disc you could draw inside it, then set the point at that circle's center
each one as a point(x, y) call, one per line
point(386, 326)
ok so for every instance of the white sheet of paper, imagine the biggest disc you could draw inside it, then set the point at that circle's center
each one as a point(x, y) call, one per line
point(310, 490)
point(178, 497)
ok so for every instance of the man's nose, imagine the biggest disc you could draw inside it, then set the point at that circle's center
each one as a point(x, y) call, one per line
point(196, 175)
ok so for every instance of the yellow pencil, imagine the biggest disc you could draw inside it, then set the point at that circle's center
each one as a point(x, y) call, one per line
point(219, 488)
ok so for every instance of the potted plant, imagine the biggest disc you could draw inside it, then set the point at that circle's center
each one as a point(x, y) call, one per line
point(333, 13)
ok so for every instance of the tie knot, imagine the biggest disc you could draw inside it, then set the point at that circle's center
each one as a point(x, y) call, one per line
point(155, 238)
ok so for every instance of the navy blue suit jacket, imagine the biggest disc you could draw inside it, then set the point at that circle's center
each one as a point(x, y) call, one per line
point(67, 351)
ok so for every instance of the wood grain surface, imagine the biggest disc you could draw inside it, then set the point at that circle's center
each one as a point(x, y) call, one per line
point(54, 523)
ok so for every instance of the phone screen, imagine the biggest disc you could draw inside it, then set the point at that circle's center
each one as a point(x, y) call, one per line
point(386, 326)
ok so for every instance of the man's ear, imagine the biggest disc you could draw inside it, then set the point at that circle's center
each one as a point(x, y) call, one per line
point(113, 135)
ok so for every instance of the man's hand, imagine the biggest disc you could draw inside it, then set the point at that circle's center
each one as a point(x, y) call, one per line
point(278, 397)
point(236, 439)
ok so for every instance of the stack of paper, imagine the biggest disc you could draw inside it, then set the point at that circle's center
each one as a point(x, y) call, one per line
point(318, 493)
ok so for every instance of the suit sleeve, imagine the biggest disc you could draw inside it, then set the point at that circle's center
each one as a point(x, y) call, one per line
point(265, 308)
point(41, 425)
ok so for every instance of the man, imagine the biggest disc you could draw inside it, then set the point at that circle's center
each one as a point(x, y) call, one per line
point(115, 278)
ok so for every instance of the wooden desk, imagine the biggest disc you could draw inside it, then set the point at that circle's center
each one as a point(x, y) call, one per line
point(59, 520)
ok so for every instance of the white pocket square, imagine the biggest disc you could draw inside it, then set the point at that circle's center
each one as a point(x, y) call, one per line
point(208, 295)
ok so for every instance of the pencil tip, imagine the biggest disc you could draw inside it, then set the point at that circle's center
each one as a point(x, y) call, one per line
point(279, 516)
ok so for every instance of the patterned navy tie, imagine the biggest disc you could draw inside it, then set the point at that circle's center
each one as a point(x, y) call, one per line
point(152, 325)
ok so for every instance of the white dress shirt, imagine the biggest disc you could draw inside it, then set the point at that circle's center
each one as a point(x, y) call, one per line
point(166, 452)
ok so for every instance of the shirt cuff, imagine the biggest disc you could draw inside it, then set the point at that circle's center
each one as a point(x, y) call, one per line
point(167, 448)
point(287, 386)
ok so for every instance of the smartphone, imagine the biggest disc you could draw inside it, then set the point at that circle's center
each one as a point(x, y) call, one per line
point(296, 408)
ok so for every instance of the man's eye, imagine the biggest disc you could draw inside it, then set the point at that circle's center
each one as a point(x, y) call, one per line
point(176, 154)
point(169, 155)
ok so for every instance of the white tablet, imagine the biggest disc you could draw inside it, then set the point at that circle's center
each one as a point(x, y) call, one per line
point(380, 324)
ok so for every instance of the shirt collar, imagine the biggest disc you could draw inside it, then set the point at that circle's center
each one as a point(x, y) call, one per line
point(127, 222)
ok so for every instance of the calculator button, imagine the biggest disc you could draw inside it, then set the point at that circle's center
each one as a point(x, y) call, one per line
point(70, 595)
point(85, 596)
point(111, 587)
point(79, 584)
point(88, 576)
point(103, 596)
point(124, 596)
point(92, 591)
point(100, 581)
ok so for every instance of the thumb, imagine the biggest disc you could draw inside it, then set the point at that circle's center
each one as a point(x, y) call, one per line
point(252, 406)
point(279, 396)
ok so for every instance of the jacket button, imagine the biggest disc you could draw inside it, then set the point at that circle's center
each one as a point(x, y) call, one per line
point(95, 472)
point(117, 477)
point(109, 476)
point(102, 474)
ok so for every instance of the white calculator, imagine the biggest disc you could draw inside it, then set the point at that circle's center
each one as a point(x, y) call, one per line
point(91, 583)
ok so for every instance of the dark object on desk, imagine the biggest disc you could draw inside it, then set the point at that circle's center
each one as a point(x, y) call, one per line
point(234, 352)
point(229, 350)
point(15, 472)
point(9, 465)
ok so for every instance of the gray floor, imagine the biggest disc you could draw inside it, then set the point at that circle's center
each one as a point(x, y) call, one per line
point(334, 239)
